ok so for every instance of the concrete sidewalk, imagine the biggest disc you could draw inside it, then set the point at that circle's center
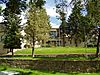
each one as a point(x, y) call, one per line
point(13, 51)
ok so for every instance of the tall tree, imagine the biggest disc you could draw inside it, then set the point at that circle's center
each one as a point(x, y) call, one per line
point(93, 9)
point(12, 36)
point(37, 24)
point(0, 10)
point(63, 27)
point(12, 18)
point(74, 22)
point(61, 5)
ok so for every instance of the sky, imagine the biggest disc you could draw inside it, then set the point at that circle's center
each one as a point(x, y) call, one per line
point(3, 6)
point(51, 11)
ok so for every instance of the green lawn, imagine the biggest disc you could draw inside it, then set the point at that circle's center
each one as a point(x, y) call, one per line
point(36, 72)
point(57, 50)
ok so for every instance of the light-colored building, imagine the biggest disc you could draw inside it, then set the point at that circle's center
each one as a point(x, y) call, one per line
point(56, 38)
point(2, 50)
point(26, 43)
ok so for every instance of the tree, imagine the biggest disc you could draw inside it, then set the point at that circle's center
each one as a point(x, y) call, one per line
point(11, 16)
point(63, 27)
point(0, 10)
point(93, 9)
point(44, 27)
point(74, 22)
point(12, 36)
point(37, 24)
point(60, 9)
point(62, 6)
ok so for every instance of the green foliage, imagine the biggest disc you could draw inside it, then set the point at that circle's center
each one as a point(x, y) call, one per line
point(12, 21)
point(38, 26)
point(82, 26)
point(14, 6)
point(60, 11)
point(12, 36)
point(58, 50)
point(75, 22)
point(93, 9)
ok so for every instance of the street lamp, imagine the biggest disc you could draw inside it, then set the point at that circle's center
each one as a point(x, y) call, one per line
point(98, 27)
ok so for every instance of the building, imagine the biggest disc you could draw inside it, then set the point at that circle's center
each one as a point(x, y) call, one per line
point(54, 39)
point(2, 50)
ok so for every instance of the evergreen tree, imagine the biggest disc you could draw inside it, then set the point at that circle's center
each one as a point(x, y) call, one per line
point(12, 36)
point(37, 24)
point(12, 18)
point(63, 27)
point(0, 10)
point(60, 9)
point(74, 22)
point(93, 9)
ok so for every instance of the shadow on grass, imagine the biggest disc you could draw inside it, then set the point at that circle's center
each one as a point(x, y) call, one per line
point(52, 58)
point(66, 58)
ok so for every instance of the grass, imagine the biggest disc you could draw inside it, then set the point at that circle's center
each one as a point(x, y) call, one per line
point(38, 72)
point(57, 50)
point(54, 50)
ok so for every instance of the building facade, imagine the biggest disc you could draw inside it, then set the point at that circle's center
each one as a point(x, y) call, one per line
point(56, 38)
point(2, 50)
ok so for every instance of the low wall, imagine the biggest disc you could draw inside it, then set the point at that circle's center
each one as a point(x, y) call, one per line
point(54, 65)
point(57, 55)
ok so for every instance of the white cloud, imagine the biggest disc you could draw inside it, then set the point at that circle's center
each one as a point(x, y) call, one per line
point(23, 17)
point(3, 6)
point(1, 17)
point(53, 25)
point(51, 11)
point(68, 12)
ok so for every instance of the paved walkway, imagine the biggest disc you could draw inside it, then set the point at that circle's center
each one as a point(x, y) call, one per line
point(9, 73)
point(14, 51)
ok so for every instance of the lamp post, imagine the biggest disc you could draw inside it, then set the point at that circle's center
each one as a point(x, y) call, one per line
point(98, 27)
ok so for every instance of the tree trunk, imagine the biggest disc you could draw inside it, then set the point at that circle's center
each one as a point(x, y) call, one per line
point(98, 44)
point(43, 43)
point(76, 42)
point(33, 47)
point(12, 52)
point(33, 51)
point(63, 40)
point(70, 39)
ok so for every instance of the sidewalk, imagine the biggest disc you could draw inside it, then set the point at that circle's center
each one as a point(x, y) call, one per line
point(13, 51)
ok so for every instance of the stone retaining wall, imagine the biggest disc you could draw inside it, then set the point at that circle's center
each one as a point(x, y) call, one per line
point(56, 55)
point(54, 65)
